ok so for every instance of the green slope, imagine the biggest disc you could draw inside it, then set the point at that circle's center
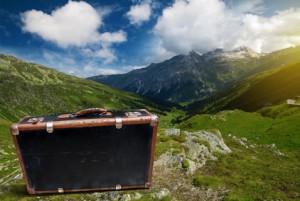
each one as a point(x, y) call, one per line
point(32, 89)
point(267, 88)
point(257, 170)
point(277, 124)
point(277, 58)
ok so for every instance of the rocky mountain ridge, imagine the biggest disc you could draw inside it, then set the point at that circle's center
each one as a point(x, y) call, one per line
point(185, 77)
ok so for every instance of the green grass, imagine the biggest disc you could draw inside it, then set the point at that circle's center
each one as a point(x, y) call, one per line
point(164, 144)
point(185, 164)
point(252, 174)
point(207, 181)
point(283, 130)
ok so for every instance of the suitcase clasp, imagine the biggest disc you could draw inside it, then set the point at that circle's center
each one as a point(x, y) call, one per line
point(118, 187)
point(49, 127)
point(60, 190)
point(118, 122)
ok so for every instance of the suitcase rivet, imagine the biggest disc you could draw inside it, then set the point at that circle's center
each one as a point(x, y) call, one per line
point(60, 190)
point(118, 122)
point(118, 187)
point(49, 127)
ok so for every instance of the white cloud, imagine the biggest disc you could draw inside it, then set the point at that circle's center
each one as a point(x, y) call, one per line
point(269, 34)
point(74, 24)
point(159, 53)
point(130, 68)
point(105, 54)
point(203, 25)
point(115, 37)
point(139, 13)
point(253, 6)
point(89, 70)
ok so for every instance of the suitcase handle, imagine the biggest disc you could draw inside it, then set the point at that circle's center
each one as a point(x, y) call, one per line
point(90, 111)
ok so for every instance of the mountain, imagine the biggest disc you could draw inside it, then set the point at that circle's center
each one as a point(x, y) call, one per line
point(221, 156)
point(32, 89)
point(262, 89)
point(186, 78)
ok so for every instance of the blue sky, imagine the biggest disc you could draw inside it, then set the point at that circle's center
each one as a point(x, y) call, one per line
point(86, 38)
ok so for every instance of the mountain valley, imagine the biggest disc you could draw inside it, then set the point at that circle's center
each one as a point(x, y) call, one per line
point(240, 143)
point(186, 78)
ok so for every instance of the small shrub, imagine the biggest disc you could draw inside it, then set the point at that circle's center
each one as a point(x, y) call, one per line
point(180, 138)
point(175, 165)
point(207, 181)
point(200, 141)
point(185, 164)
point(164, 138)
point(176, 151)
point(186, 149)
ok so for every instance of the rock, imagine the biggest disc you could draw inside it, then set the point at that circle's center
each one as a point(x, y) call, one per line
point(172, 132)
point(125, 197)
point(240, 141)
point(114, 195)
point(215, 141)
point(272, 146)
point(101, 196)
point(244, 139)
point(168, 160)
point(192, 167)
point(196, 150)
point(278, 153)
point(136, 196)
point(162, 193)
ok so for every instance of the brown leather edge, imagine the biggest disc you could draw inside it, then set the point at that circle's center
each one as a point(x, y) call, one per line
point(80, 123)
point(154, 134)
point(29, 190)
point(86, 190)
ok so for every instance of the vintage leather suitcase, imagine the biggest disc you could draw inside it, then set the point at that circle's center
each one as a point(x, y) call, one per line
point(90, 150)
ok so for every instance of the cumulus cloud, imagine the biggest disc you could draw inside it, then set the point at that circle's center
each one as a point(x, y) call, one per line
point(89, 70)
point(86, 68)
point(75, 24)
point(139, 13)
point(105, 54)
point(203, 25)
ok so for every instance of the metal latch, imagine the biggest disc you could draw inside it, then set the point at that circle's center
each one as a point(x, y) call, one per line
point(118, 187)
point(118, 122)
point(15, 129)
point(60, 190)
point(154, 120)
point(49, 127)
point(35, 120)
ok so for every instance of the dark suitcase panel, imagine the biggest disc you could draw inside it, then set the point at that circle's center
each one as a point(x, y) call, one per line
point(87, 158)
